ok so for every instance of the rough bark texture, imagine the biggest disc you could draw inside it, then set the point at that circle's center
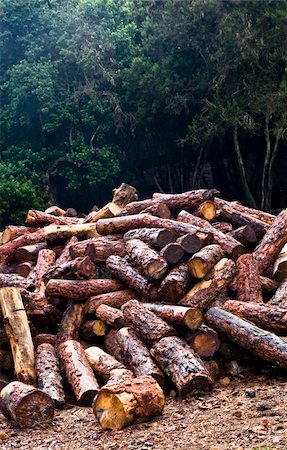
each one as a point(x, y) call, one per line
point(65, 255)
point(204, 292)
point(71, 322)
point(17, 329)
point(147, 260)
point(101, 248)
point(172, 253)
point(158, 209)
point(104, 365)
point(268, 285)
point(44, 338)
point(45, 261)
point(7, 251)
point(113, 299)
point(248, 284)
point(280, 296)
point(155, 237)
point(224, 227)
point(204, 260)
point(14, 280)
point(48, 374)
point(262, 343)
point(246, 235)
point(193, 242)
point(185, 369)
point(29, 252)
point(204, 341)
point(37, 218)
point(145, 322)
point(113, 346)
point(78, 372)
point(25, 404)
point(12, 232)
point(180, 315)
point(280, 266)
point(80, 289)
point(79, 268)
point(260, 215)
point(112, 316)
point(175, 284)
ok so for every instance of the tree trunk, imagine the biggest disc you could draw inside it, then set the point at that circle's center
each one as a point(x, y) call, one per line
point(12, 232)
point(7, 251)
point(155, 237)
point(175, 284)
point(280, 297)
point(179, 315)
point(71, 322)
point(248, 284)
point(79, 268)
point(204, 260)
point(147, 260)
point(270, 169)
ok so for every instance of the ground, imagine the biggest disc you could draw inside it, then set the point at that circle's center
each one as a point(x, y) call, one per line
point(247, 413)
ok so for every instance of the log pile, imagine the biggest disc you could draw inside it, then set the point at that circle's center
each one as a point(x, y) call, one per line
point(139, 297)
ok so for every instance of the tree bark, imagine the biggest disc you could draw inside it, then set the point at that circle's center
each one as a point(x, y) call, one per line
point(14, 280)
point(37, 218)
point(7, 251)
point(112, 316)
point(71, 322)
point(179, 315)
point(45, 260)
point(224, 227)
point(80, 290)
point(113, 346)
point(12, 232)
point(147, 260)
point(159, 210)
point(79, 268)
point(246, 235)
point(113, 299)
point(280, 297)
point(248, 283)
point(45, 338)
point(246, 211)
point(106, 366)
point(155, 237)
point(175, 284)
point(268, 285)
point(99, 249)
point(204, 260)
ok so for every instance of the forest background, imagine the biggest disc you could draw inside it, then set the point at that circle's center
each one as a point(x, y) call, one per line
point(167, 95)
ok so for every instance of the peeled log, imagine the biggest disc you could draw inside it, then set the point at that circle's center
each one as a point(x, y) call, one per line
point(147, 260)
point(80, 290)
point(145, 322)
point(280, 266)
point(71, 322)
point(25, 404)
point(180, 315)
point(247, 279)
point(185, 369)
point(204, 341)
point(59, 233)
point(111, 316)
point(172, 253)
point(204, 260)
point(204, 292)
point(48, 374)
point(78, 372)
point(155, 237)
point(175, 284)
point(121, 268)
point(264, 316)
point(17, 329)
point(114, 299)
point(136, 355)
point(280, 297)
point(261, 343)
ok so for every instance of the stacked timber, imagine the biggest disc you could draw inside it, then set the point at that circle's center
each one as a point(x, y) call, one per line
point(136, 298)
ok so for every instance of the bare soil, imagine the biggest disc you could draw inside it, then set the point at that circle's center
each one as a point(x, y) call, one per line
point(245, 413)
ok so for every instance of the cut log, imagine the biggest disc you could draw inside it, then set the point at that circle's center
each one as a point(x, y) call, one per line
point(48, 374)
point(146, 323)
point(204, 260)
point(55, 211)
point(155, 237)
point(114, 299)
point(204, 341)
point(79, 268)
point(172, 253)
point(268, 285)
point(29, 252)
point(122, 269)
point(124, 194)
point(99, 249)
point(120, 404)
point(37, 218)
point(25, 404)
point(180, 315)
point(158, 209)
point(204, 292)
point(185, 369)
point(113, 346)
point(112, 316)
point(78, 372)
point(80, 290)
point(7, 251)
point(207, 210)
point(248, 284)
point(109, 210)
point(93, 329)
point(59, 233)
point(12, 232)
point(45, 260)
point(71, 322)
point(193, 242)
point(106, 366)
point(24, 269)
point(264, 316)
point(175, 284)
point(224, 227)
point(246, 235)
point(213, 368)
point(18, 331)
point(147, 260)
point(261, 343)
point(44, 338)
point(280, 297)
point(280, 266)
point(38, 308)
point(14, 280)
point(260, 215)
point(65, 255)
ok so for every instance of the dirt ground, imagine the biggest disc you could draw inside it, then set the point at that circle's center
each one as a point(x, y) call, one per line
point(248, 413)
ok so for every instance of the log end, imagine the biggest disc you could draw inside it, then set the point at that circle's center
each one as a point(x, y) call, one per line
point(114, 411)
point(193, 318)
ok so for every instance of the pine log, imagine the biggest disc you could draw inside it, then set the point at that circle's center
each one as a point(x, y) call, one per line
point(37, 218)
point(248, 284)
point(158, 209)
point(55, 211)
point(14, 280)
point(106, 366)
point(268, 285)
point(224, 227)
point(12, 232)
point(122, 269)
point(227, 242)
point(213, 368)
point(146, 323)
point(204, 292)
point(48, 374)
point(264, 316)
point(24, 269)
point(7, 251)
point(193, 242)
point(172, 253)
point(280, 297)
point(147, 260)
point(113, 346)
point(262, 343)
point(78, 372)
point(280, 265)
point(120, 404)
point(112, 316)
point(204, 341)
point(204, 260)
point(155, 237)
point(260, 215)
point(71, 322)
point(80, 290)
point(38, 308)
point(185, 369)
point(29, 252)
point(180, 315)
point(18, 331)
point(124, 194)
point(93, 329)
point(99, 249)
point(246, 235)
point(109, 210)
point(113, 299)
point(79, 268)
point(25, 404)
point(45, 338)
point(45, 260)
point(207, 210)
point(59, 233)
point(175, 284)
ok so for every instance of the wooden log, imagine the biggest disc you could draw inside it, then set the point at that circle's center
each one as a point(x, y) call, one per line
point(175, 284)
point(179, 315)
point(59, 233)
point(45, 338)
point(78, 372)
point(273, 241)
point(7, 251)
point(213, 368)
point(79, 268)
point(24, 269)
point(25, 404)
point(120, 404)
point(204, 341)
point(146, 259)
point(248, 284)
point(224, 227)
point(172, 253)
point(122, 269)
point(37, 218)
point(136, 355)
point(145, 322)
point(45, 261)
point(227, 242)
point(113, 299)
point(268, 285)
point(55, 211)
point(71, 322)
point(260, 215)
point(99, 249)
point(193, 242)
point(93, 329)
point(112, 316)
point(48, 374)
point(245, 234)
point(280, 265)
point(280, 297)
point(264, 316)
point(80, 290)
point(71, 212)
point(204, 260)
point(207, 210)
point(38, 308)
point(158, 209)
point(124, 194)
point(106, 366)
point(14, 280)
point(109, 210)
point(260, 342)
point(113, 347)
point(204, 292)
point(155, 237)
point(14, 231)
point(17, 329)
point(185, 369)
